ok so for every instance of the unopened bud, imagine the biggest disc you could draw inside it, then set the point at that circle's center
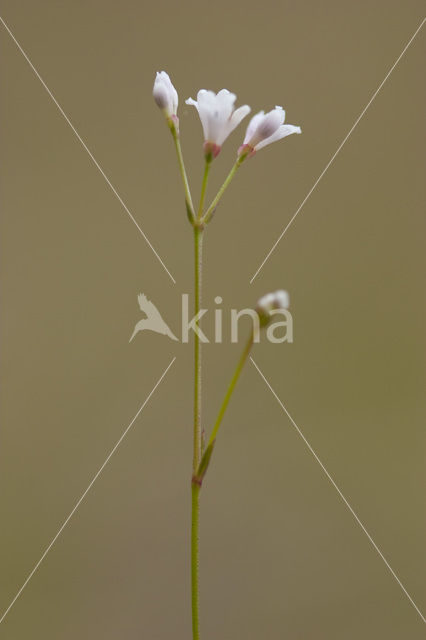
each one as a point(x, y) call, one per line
point(276, 300)
point(165, 95)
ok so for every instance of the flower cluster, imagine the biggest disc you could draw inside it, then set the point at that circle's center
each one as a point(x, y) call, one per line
point(219, 118)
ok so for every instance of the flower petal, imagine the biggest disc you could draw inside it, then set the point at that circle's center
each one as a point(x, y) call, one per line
point(225, 103)
point(283, 131)
point(239, 115)
point(165, 95)
point(270, 123)
point(217, 114)
point(192, 102)
point(252, 126)
point(201, 104)
point(207, 109)
point(232, 122)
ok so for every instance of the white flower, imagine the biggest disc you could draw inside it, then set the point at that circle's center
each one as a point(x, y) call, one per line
point(266, 128)
point(276, 300)
point(217, 116)
point(165, 95)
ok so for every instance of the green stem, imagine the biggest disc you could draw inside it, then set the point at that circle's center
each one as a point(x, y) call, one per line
point(181, 163)
point(198, 263)
point(198, 267)
point(204, 187)
point(197, 478)
point(195, 560)
point(213, 205)
point(231, 388)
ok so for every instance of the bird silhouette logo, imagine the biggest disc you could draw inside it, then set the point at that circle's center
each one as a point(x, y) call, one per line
point(153, 320)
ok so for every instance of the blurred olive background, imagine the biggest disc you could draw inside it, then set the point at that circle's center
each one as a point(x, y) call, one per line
point(281, 555)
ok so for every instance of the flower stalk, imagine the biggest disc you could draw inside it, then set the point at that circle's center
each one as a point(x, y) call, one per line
point(211, 209)
point(205, 460)
point(188, 198)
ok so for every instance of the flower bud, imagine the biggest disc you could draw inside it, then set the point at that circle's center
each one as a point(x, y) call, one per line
point(276, 300)
point(161, 96)
point(165, 95)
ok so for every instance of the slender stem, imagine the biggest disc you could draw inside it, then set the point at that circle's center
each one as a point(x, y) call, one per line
point(195, 560)
point(204, 187)
point(231, 388)
point(221, 191)
point(197, 478)
point(198, 263)
point(186, 188)
point(198, 267)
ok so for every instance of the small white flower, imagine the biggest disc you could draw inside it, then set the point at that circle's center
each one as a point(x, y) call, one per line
point(266, 128)
point(165, 95)
point(276, 300)
point(218, 117)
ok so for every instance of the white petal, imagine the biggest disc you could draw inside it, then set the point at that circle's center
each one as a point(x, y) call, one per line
point(207, 109)
point(202, 108)
point(239, 115)
point(282, 299)
point(165, 95)
point(282, 132)
point(203, 94)
point(265, 303)
point(175, 99)
point(166, 79)
point(232, 123)
point(276, 300)
point(217, 114)
point(161, 95)
point(223, 93)
point(252, 126)
point(225, 101)
point(270, 123)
